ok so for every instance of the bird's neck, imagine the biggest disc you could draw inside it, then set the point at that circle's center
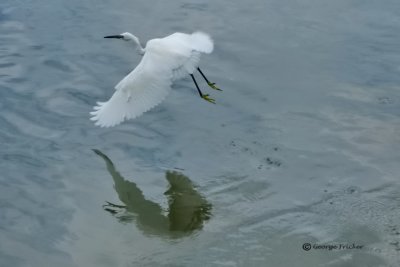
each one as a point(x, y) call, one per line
point(139, 47)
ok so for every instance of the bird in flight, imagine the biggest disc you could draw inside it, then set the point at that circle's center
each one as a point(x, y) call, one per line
point(164, 61)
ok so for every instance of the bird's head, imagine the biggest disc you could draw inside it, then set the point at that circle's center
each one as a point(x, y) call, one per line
point(126, 36)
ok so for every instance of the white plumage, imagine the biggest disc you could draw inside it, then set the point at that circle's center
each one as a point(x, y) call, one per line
point(165, 60)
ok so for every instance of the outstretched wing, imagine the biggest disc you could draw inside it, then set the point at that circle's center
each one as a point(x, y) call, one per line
point(149, 83)
point(142, 89)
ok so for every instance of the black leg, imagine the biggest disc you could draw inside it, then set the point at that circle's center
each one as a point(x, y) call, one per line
point(212, 85)
point(205, 97)
point(204, 76)
point(198, 89)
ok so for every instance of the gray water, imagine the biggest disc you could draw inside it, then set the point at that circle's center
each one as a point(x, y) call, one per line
point(301, 147)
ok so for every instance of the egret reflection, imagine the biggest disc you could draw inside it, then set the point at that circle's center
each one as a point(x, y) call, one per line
point(187, 211)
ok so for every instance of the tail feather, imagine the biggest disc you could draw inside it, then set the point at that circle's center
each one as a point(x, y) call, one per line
point(202, 42)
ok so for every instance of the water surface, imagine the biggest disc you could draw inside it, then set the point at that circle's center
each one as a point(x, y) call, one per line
point(302, 146)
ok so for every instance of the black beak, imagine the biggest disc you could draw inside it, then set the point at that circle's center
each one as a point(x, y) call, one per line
point(114, 36)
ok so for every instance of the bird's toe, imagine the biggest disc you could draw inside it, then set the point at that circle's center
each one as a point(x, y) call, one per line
point(208, 98)
point(213, 86)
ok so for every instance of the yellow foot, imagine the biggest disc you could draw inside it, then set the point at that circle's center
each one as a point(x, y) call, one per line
point(213, 86)
point(206, 97)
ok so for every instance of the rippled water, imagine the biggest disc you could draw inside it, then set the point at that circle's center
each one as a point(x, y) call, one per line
point(302, 146)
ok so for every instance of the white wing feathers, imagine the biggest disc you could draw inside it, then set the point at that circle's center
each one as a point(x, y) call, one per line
point(165, 60)
point(139, 95)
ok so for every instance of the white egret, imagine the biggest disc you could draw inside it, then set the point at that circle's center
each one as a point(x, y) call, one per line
point(164, 61)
